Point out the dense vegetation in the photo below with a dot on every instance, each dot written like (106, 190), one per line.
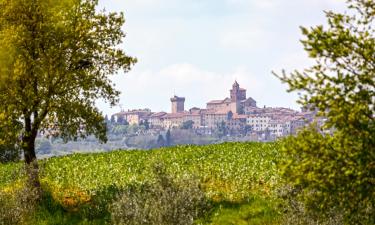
(238, 179)
(56, 58)
(332, 169)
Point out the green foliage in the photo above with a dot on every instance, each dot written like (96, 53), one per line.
(55, 58)
(9, 144)
(187, 125)
(160, 142)
(165, 201)
(81, 186)
(145, 124)
(294, 211)
(119, 129)
(254, 211)
(168, 139)
(336, 172)
(9, 153)
(222, 129)
(17, 205)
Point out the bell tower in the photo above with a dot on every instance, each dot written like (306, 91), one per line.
(234, 92)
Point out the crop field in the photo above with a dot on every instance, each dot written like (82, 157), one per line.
(233, 175)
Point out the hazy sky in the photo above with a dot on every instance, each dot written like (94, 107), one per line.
(197, 48)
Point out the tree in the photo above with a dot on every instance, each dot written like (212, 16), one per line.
(160, 142)
(336, 172)
(187, 125)
(146, 124)
(9, 151)
(168, 140)
(113, 119)
(120, 119)
(55, 58)
(222, 129)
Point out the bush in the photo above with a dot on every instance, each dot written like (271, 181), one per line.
(163, 202)
(294, 210)
(17, 207)
(9, 153)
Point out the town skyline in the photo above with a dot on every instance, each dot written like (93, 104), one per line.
(236, 115)
(195, 48)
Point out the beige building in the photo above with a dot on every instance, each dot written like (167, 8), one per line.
(195, 117)
(258, 122)
(279, 128)
(155, 119)
(236, 103)
(172, 120)
(237, 122)
(225, 105)
(213, 119)
(134, 117)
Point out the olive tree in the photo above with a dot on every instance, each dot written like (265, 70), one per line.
(55, 60)
(335, 171)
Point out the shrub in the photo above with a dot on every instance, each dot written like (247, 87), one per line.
(294, 210)
(17, 207)
(162, 202)
(9, 153)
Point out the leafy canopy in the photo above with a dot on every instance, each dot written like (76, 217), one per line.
(337, 171)
(55, 60)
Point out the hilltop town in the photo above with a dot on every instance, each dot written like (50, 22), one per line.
(236, 115)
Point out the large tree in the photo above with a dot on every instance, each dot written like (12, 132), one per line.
(336, 170)
(55, 60)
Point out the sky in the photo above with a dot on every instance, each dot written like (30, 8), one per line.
(197, 48)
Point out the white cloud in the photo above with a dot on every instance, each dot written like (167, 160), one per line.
(260, 4)
(293, 61)
(220, 41)
(246, 38)
(154, 88)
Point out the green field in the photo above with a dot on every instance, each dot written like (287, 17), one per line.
(238, 178)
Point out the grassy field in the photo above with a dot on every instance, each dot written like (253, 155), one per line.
(238, 178)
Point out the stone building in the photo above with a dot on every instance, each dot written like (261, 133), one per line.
(195, 117)
(155, 119)
(172, 120)
(133, 116)
(236, 103)
(178, 104)
(213, 119)
(225, 105)
(237, 94)
(258, 122)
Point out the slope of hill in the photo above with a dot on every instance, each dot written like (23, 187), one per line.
(238, 178)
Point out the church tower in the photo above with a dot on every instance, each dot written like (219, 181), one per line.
(237, 94)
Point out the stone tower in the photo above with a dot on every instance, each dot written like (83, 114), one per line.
(237, 94)
(178, 104)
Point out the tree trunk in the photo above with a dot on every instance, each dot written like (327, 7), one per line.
(28, 146)
(31, 161)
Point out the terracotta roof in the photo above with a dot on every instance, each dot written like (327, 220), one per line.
(159, 114)
(217, 112)
(173, 115)
(192, 114)
(215, 102)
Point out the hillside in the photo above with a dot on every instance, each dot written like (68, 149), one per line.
(238, 178)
